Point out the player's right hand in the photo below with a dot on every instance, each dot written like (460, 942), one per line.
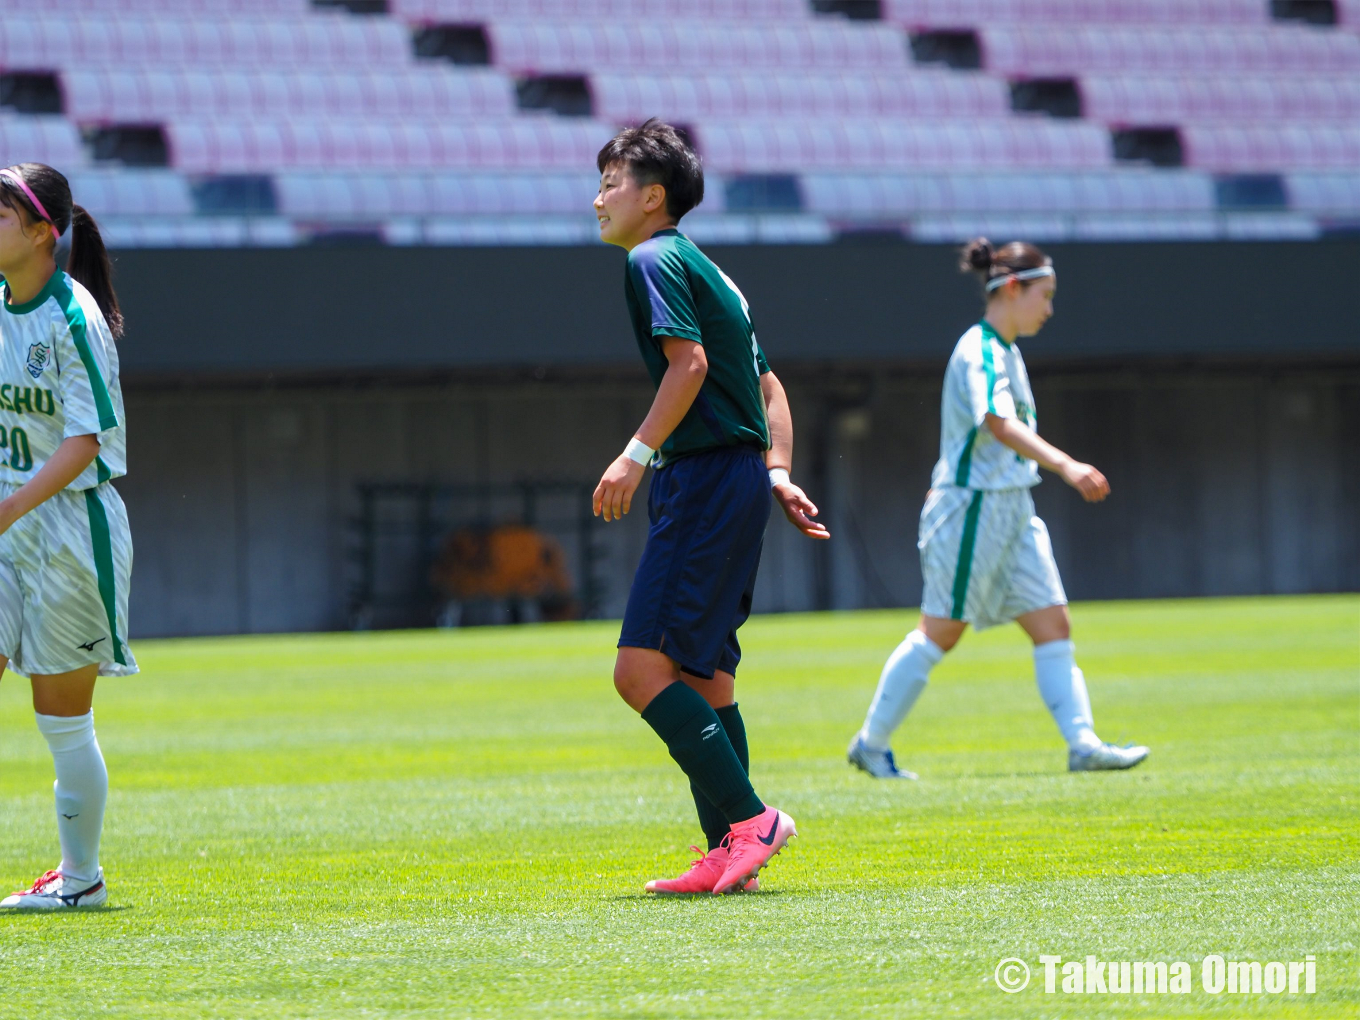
(1086, 480)
(614, 495)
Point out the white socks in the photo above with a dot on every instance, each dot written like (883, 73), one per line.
(82, 787)
(901, 683)
(1063, 689)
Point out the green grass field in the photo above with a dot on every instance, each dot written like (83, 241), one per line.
(459, 824)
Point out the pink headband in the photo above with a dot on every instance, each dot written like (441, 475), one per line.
(10, 175)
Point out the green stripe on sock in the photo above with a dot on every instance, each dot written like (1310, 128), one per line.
(103, 565)
(970, 520)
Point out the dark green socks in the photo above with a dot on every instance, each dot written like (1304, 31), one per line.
(710, 818)
(700, 745)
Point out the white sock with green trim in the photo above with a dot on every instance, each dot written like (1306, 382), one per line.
(82, 789)
(903, 679)
(1063, 688)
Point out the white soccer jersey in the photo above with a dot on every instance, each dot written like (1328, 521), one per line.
(58, 378)
(985, 375)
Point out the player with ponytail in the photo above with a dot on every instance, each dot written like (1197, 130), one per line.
(65, 549)
(985, 556)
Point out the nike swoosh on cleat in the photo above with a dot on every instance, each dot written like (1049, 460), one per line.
(767, 840)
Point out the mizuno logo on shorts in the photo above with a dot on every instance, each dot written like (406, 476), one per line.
(89, 645)
(710, 730)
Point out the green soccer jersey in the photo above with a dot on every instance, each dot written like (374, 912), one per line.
(674, 289)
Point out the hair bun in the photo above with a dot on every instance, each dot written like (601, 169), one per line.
(978, 256)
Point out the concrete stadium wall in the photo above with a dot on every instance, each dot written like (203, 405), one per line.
(1226, 480)
(382, 311)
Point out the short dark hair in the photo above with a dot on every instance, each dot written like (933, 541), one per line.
(655, 153)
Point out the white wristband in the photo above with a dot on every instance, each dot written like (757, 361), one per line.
(638, 452)
(779, 476)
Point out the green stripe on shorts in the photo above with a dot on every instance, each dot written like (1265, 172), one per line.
(103, 565)
(961, 572)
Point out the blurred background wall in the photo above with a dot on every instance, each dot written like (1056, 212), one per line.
(1218, 399)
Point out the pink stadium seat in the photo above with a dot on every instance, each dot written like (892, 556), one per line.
(471, 11)
(1172, 99)
(163, 8)
(1031, 51)
(788, 146)
(131, 96)
(1258, 148)
(259, 146)
(977, 13)
(632, 96)
(44, 139)
(34, 41)
(546, 47)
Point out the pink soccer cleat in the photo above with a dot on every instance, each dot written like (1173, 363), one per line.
(752, 845)
(702, 876)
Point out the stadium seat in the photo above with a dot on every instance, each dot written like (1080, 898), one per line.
(550, 47)
(1026, 50)
(43, 139)
(464, 11)
(318, 99)
(750, 146)
(633, 96)
(977, 13)
(42, 42)
(133, 95)
(132, 192)
(1173, 99)
(870, 194)
(1254, 148)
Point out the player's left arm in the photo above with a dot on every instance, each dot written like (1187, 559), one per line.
(685, 373)
(797, 507)
(73, 456)
(1025, 441)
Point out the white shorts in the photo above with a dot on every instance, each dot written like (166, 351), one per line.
(985, 557)
(64, 571)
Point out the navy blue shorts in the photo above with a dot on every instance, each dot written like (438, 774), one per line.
(693, 588)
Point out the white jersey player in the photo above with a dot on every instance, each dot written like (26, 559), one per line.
(985, 556)
(65, 551)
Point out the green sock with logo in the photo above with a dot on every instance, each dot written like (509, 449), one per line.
(696, 739)
(711, 820)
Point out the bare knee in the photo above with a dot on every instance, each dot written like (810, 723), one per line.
(944, 633)
(1046, 625)
(640, 674)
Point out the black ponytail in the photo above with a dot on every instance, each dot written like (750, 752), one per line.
(978, 256)
(89, 261)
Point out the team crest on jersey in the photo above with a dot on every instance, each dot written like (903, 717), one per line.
(39, 357)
